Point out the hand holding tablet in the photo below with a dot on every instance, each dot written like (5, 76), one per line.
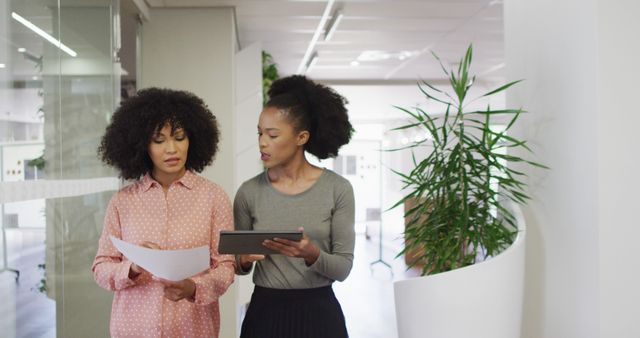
(243, 242)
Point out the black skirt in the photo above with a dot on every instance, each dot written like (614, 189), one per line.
(297, 313)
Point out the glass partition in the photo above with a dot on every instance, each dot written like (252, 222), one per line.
(59, 84)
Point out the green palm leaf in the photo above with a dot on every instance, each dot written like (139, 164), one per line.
(458, 190)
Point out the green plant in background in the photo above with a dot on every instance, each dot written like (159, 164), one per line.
(460, 188)
(42, 284)
(37, 162)
(269, 74)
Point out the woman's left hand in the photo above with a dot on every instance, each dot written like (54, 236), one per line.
(303, 249)
(179, 290)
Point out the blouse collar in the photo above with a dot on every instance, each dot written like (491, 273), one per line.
(188, 180)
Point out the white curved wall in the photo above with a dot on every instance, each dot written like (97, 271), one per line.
(581, 82)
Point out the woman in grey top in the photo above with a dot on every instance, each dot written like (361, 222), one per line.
(293, 295)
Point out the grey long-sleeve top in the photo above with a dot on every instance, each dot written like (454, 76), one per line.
(326, 211)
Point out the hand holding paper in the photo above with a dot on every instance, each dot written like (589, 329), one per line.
(136, 270)
(176, 291)
(173, 265)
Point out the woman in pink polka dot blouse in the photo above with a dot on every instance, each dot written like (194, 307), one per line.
(160, 138)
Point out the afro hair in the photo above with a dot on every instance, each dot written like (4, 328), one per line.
(126, 140)
(316, 108)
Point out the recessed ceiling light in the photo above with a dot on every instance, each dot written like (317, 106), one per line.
(304, 63)
(354, 63)
(34, 78)
(379, 55)
(405, 54)
(333, 25)
(43, 34)
(2, 65)
(312, 62)
(22, 50)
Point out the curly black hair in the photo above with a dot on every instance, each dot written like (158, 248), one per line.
(316, 108)
(126, 140)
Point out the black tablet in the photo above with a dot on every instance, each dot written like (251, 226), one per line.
(244, 242)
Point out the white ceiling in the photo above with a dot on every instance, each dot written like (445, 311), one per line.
(285, 29)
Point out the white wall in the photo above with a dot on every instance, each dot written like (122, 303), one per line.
(194, 50)
(372, 112)
(581, 277)
(248, 100)
(618, 121)
(374, 103)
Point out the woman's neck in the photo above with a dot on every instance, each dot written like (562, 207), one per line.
(298, 168)
(166, 179)
(290, 179)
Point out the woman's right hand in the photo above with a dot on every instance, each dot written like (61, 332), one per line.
(247, 260)
(135, 270)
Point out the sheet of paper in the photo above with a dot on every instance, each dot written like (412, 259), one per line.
(174, 265)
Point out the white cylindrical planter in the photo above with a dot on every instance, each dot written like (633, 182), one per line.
(483, 300)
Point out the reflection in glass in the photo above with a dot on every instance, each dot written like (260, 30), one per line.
(25, 310)
(57, 92)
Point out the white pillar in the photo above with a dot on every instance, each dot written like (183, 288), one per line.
(579, 62)
(248, 107)
(194, 49)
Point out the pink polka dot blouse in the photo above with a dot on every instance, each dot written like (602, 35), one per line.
(191, 214)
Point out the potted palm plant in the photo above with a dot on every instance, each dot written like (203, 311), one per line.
(463, 228)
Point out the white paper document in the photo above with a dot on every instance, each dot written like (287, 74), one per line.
(174, 265)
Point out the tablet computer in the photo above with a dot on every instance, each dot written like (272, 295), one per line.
(244, 242)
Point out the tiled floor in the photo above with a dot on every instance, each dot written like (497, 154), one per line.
(367, 294)
(24, 311)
